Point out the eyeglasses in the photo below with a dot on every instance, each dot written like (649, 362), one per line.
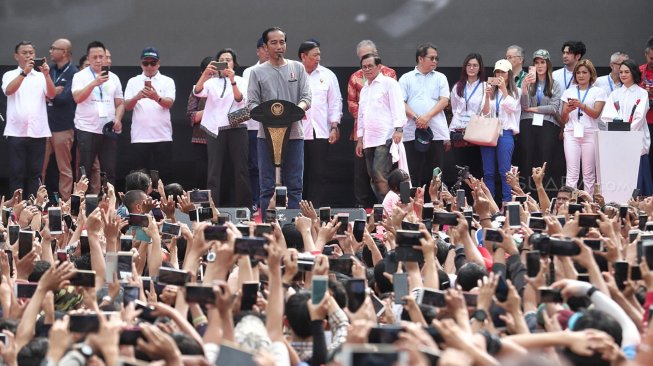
(149, 63)
(368, 67)
(53, 48)
(432, 58)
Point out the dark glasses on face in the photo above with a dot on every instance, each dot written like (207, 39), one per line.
(149, 63)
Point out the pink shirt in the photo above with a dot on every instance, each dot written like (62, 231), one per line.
(380, 110)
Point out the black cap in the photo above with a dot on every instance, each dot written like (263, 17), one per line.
(277, 112)
(423, 139)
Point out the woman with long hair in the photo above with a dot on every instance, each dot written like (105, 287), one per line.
(581, 108)
(501, 101)
(225, 93)
(630, 104)
(466, 100)
(539, 130)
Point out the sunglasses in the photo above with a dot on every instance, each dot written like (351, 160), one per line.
(149, 63)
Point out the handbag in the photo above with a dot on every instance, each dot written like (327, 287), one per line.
(457, 136)
(483, 131)
(238, 116)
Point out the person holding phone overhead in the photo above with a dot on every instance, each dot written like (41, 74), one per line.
(629, 104)
(151, 95)
(501, 101)
(540, 102)
(581, 108)
(466, 100)
(224, 92)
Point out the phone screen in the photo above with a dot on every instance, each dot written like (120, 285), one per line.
(501, 291)
(75, 203)
(355, 294)
(493, 236)
(621, 274)
(445, 218)
(198, 196)
(400, 286)
(433, 298)
(25, 243)
(54, 220)
(533, 263)
(460, 199)
(91, 203)
(378, 213)
(319, 288)
(404, 192)
(343, 219)
(325, 214)
(281, 197)
(138, 220)
(171, 229)
(249, 296)
(550, 295)
(359, 230)
(513, 213)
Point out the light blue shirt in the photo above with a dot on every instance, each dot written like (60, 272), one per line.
(422, 92)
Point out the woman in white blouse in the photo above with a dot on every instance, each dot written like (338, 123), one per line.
(225, 93)
(466, 100)
(581, 107)
(630, 104)
(501, 101)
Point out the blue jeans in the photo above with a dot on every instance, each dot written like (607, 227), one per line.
(292, 172)
(503, 153)
(253, 166)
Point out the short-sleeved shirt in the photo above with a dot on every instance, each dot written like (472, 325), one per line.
(422, 92)
(99, 108)
(150, 121)
(27, 115)
(594, 94)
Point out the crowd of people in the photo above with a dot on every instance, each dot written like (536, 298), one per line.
(432, 275)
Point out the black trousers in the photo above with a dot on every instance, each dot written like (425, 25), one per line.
(153, 156)
(541, 144)
(421, 164)
(92, 145)
(25, 163)
(315, 158)
(230, 147)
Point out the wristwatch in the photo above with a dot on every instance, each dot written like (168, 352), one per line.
(480, 315)
(399, 129)
(22, 73)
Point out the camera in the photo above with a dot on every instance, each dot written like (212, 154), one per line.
(553, 246)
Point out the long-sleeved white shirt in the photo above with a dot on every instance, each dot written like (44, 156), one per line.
(220, 101)
(326, 103)
(469, 104)
(380, 110)
(626, 102)
(509, 110)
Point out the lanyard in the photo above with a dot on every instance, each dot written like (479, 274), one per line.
(57, 78)
(582, 100)
(497, 101)
(539, 94)
(564, 69)
(478, 82)
(99, 86)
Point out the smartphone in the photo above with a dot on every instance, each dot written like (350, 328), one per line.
(635, 194)
(400, 287)
(404, 192)
(407, 225)
(588, 220)
(5, 216)
(38, 63)
(493, 80)
(157, 213)
(91, 202)
(405, 252)
(139, 220)
(281, 197)
(148, 84)
(104, 182)
(319, 288)
(623, 211)
(82, 171)
(105, 70)
(533, 263)
(270, 215)
(537, 224)
(635, 273)
(531, 70)
(552, 206)
(261, 229)
(10, 257)
(343, 219)
(170, 276)
(199, 196)
(126, 243)
(215, 232)
(25, 243)
(384, 335)
(75, 203)
(83, 278)
(249, 295)
(325, 214)
(378, 213)
(471, 300)
(13, 233)
(130, 294)
(647, 250)
(492, 236)
(84, 323)
(514, 215)
(431, 297)
(252, 246)
(359, 230)
(621, 274)
(521, 199)
(550, 295)
(427, 211)
(220, 65)
(130, 335)
(341, 265)
(445, 218)
(437, 172)
(171, 229)
(632, 235)
(305, 263)
(200, 294)
(460, 199)
(562, 247)
(146, 310)
(54, 220)
(68, 219)
(501, 291)
(25, 290)
(643, 218)
(355, 293)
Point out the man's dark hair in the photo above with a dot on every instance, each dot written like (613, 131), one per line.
(423, 49)
(22, 43)
(137, 180)
(173, 189)
(33, 353)
(306, 47)
(469, 274)
(81, 61)
(634, 70)
(8, 324)
(395, 178)
(377, 59)
(273, 29)
(187, 345)
(566, 189)
(338, 292)
(442, 250)
(95, 44)
(366, 253)
(297, 314)
(382, 283)
(599, 320)
(649, 45)
(83, 262)
(230, 51)
(40, 267)
(575, 47)
(205, 62)
(133, 197)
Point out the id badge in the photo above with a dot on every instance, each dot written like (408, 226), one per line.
(538, 119)
(101, 110)
(579, 130)
(465, 117)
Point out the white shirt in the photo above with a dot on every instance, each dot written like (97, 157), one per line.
(252, 125)
(564, 77)
(607, 84)
(27, 115)
(509, 110)
(219, 96)
(622, 103)
(150, 121)
(99, 108)
(326, 103)
(422, 92)
(380, 110)
(461, 110)
(594, 95)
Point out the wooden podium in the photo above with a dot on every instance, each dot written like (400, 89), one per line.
(617, 163)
